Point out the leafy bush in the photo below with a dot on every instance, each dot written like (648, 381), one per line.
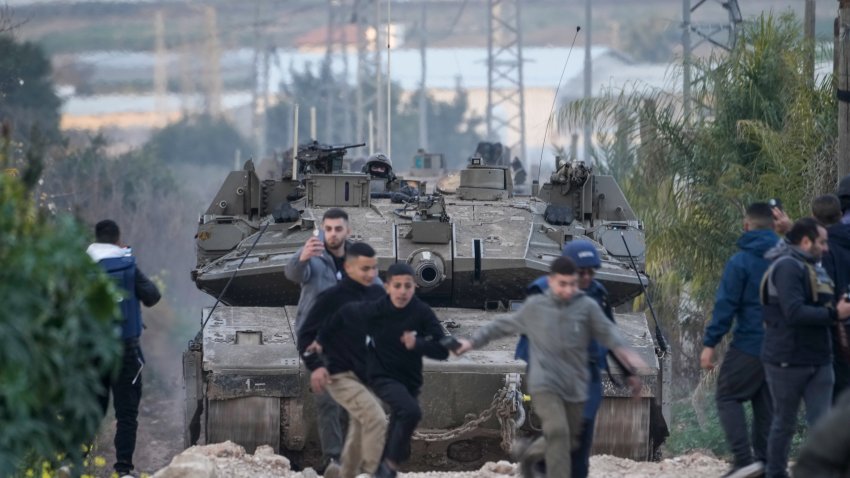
(691, 431)
(201, 140)
(58, 333)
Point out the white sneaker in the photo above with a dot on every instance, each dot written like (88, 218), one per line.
(752, 470)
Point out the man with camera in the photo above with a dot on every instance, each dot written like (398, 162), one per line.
(799, 310)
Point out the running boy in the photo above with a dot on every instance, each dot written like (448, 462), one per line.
(559, 324)
(401, 330)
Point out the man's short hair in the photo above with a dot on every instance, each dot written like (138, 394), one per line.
(335, 213)
(760, 215)
(827, 209)
(563, 266)
(399, 269)
(805, 227)
(107, 232)
(359, 249)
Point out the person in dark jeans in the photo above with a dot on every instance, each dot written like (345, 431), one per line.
(799, 311)
(741, 378)
(836, 261)
(587, 259)
(126, 387)
(401, 329)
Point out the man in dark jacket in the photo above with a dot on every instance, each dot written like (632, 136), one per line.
(401, 330)
(126, 388)
(340, 367)
(797, 353)
(837, 264)
(741, 377)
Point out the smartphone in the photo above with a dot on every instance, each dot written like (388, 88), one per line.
(775, 202)
(319, 234)
(450, 342)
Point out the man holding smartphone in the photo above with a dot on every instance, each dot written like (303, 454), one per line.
(317, 266)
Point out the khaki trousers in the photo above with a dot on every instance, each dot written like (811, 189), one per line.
(367, 424)
(562, 422)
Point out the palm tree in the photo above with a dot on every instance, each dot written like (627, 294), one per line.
(761, 130)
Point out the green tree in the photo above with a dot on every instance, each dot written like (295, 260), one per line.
(27, 98)
(200, 140)
(760, 130)
(58, 330)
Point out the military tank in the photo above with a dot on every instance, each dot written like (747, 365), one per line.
(474, 247)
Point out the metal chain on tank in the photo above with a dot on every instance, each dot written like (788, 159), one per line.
(507, 403)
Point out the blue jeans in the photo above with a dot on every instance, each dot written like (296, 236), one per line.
(788, 386)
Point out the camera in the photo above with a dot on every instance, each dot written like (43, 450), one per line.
(775, 203)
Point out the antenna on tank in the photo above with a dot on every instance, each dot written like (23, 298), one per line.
(555, 100)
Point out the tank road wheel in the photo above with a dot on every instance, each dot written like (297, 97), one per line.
(293, 431)
(248, 421)
(194, 404)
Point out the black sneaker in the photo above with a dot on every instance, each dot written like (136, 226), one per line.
(384, 471)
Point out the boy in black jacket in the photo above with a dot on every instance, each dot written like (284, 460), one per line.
(333, 344)
(401, 330)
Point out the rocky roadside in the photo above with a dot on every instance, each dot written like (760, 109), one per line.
(227, 459)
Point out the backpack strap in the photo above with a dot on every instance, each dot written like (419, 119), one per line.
(767, 288)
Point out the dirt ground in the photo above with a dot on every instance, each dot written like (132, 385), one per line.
(227, 459)
(160, 439)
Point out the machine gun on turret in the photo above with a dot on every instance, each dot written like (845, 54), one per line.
(571, 173)
(316, 158)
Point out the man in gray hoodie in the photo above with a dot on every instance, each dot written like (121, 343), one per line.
(317, 266)
(559, 324)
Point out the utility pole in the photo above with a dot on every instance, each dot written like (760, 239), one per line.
(423, 92)
(809, 35)
(379, 82)
(160, 69)
(844, 89)
(259, 92)
(686, 59)
(186, 64)
(212, 64)
(588, 76)
(368, 91)
(327, 71)
(505, 88)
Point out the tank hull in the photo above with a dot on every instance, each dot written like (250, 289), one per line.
(256, 391)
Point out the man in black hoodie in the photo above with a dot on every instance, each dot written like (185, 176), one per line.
(401, 330)
(837, 264)
(339, 365)
(798, 313)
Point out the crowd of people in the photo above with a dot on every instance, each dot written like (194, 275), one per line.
(363, 342)
(785, 301)
(788, 302)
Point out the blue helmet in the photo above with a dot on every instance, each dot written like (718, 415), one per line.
(583, 253)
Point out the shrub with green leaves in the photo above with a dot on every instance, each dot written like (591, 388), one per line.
(58, 334)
